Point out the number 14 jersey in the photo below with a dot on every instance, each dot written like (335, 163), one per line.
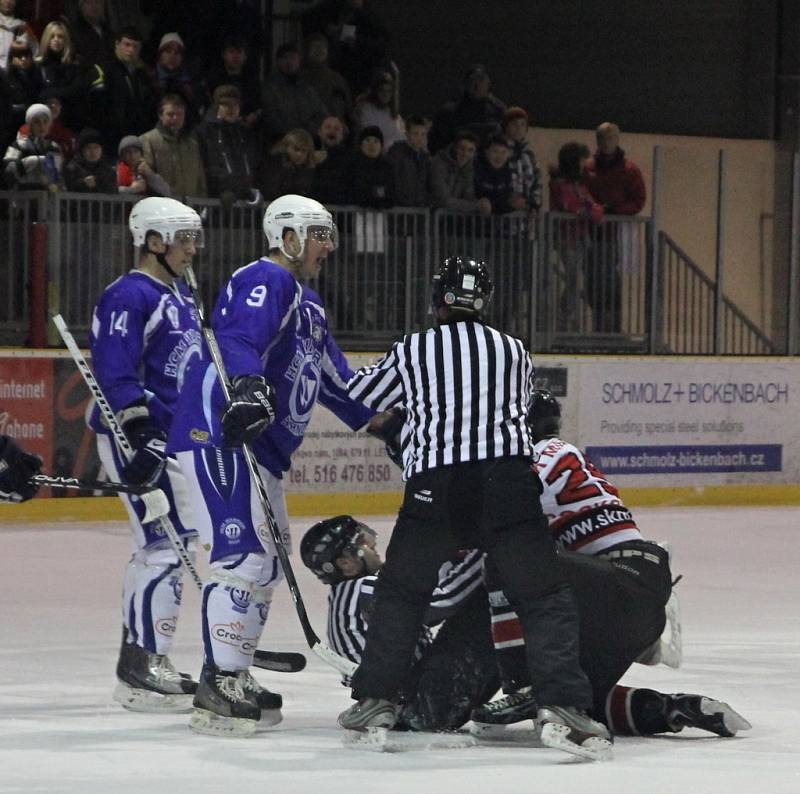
(583, 508)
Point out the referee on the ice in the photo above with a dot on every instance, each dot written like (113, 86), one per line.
(466, 452)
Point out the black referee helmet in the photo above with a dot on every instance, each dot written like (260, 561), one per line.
(544, 415)
(328, 540)
(462, 285)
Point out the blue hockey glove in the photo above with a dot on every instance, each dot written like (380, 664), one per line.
(149, 443)
(251, 411)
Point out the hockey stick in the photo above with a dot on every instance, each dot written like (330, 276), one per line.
(57, 481)
(123, 445)
(268, 660)
(325, 652)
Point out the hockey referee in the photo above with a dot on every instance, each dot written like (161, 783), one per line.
(467, 453)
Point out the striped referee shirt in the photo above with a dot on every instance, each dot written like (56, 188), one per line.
(465, 388)
(349, 603)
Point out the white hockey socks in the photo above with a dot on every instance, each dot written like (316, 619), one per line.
(151, 598)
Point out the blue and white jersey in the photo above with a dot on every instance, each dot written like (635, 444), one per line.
(267, 323)
(350, 601)
(144, 334)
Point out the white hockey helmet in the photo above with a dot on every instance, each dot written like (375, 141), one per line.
(168, 217)
(302, 215)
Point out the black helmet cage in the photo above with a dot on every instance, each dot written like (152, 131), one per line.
(462, 285)
(328, 540)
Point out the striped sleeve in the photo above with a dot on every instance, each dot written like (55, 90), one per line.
(457, 581)
(379, 386)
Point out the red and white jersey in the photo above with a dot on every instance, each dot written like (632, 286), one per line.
(582, 507)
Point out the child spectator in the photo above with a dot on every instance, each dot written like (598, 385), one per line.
(332, 174)
(568, 189)
(372, 177)
(379, 108)
(493, 177)
(526, 176)
(134, 175)
(233, 69)
(89, 171)
(453, 176)
(60, 75)
(59, 132)
(411, 165)
(33, 161)
(228, 149)
(290, 166)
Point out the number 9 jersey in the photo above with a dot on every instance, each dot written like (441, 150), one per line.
(582, 507)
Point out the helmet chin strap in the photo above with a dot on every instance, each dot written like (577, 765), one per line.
(162, 260)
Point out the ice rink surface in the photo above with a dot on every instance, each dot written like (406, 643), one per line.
(60, 731)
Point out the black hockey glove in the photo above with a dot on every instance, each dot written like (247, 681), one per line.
(149, 442)
(389, 432)
(16, 468)
(251, 410)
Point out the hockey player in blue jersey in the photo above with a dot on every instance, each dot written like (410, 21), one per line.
(273, 332)
(145, 330)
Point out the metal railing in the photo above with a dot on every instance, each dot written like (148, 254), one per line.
(18, 211)
(562, 284)
(686, 317)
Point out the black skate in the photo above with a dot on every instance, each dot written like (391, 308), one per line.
(573, 731)
(269, 702)
(221, 705)
(696, 711)
(149, 682)
(490, 719)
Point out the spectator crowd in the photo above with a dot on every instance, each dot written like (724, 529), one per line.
(183, 112)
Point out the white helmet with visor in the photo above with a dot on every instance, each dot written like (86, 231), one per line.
(306, 217)
(175, 222)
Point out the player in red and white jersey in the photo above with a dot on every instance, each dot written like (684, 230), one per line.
(622, 583)
(582, 507)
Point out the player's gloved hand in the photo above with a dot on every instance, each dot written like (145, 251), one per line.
(149, 442)
(16, 469)
(387, 426)
(251, 410)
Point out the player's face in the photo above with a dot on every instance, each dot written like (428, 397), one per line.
(183, 249)
(320, 241)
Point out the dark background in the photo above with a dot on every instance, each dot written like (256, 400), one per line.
(688, 67)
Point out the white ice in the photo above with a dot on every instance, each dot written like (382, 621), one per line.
(60, 731)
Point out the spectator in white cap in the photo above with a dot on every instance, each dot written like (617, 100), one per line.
(171, 75)
(33, 161)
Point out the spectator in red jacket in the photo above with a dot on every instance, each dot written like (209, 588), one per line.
(572, 238)
(615, 182)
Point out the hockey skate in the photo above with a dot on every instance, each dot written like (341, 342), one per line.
(269, 702)
(149, 682)
(370, 720)
(573, 731)
(222, 707)
(490, 720)
(696, 711)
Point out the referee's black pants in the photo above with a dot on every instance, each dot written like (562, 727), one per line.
(493, 505)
